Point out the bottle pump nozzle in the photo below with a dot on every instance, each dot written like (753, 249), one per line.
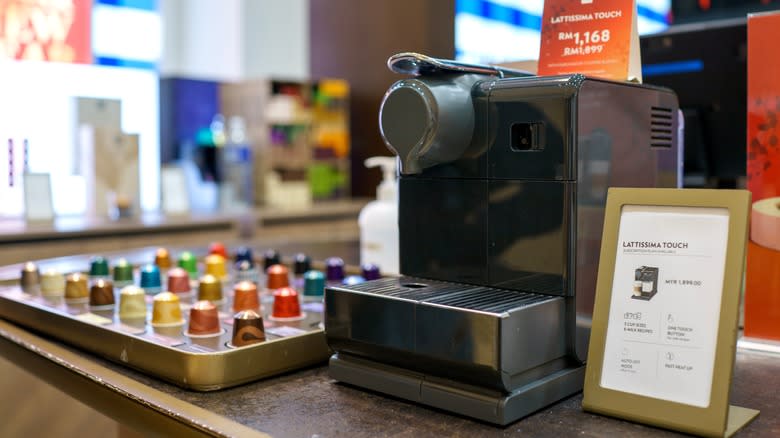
(387, 189)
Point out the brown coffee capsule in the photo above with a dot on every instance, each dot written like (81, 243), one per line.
(247, 328)
(30, 279)
(204, 319)
(162, 258)
(101, 293)
(278, 277)
(76, 286)
(179, 281)
(245, 296)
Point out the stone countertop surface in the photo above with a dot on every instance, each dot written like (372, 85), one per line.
(308, 403)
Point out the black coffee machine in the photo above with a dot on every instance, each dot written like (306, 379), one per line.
(503, 182)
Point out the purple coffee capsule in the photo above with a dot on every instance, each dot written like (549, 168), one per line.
(370, 271)
(334, 269)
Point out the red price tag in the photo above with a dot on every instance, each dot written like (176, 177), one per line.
(593, 37)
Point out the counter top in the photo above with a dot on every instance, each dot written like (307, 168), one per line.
(76, 227)
(309, 403)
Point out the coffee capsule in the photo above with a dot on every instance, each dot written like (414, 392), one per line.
(215, 265)
(204, 319)
(150, 279)
(132, 303)
(286, 304)
(52, 284)
(166, 310)
(101, 294)
(162, 258)
(123, 273)
(30, 278)
(76, 287)
(247, 328)
(245, 297)
(277, 276)
(179, 281)
(210, 288)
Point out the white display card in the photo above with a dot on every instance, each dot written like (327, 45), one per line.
(666, 302)
(37, 197)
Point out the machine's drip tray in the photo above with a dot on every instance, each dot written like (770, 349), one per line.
(460, 296)
(493, 354)
(487, 337)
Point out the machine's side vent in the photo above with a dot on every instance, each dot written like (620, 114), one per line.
(661, 127)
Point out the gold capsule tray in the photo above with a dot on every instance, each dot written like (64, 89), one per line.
(197, 363)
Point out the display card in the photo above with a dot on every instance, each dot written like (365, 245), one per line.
(665, 305)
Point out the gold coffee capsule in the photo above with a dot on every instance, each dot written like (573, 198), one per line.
(210, 288)
(76, 287)
(215, 265)
(166, 310)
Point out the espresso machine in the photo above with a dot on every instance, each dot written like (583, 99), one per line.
(502, 188)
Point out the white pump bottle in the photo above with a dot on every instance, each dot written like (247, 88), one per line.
(378, 220)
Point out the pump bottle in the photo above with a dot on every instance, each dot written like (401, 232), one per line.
(378, 220)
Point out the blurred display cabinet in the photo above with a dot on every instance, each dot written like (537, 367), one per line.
(299, 133)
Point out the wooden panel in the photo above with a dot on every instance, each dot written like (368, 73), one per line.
(352, 39)
(39, 409)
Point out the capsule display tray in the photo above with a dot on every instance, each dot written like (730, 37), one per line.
(197, 363)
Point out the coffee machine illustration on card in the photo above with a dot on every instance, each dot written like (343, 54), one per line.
(645, 283)
(502, 186)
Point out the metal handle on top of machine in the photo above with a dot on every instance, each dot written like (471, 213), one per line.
(416, 64)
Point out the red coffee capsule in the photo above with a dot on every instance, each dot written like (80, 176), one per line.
(218, 248)
(286, 303)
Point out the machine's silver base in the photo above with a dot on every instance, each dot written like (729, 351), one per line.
(487, 405)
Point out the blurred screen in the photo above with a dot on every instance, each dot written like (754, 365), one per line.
(496, 31)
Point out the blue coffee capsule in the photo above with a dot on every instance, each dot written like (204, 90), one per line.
(151, 282)
(313, 283)
(244, 253)
(353, 280)
(370, 271)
